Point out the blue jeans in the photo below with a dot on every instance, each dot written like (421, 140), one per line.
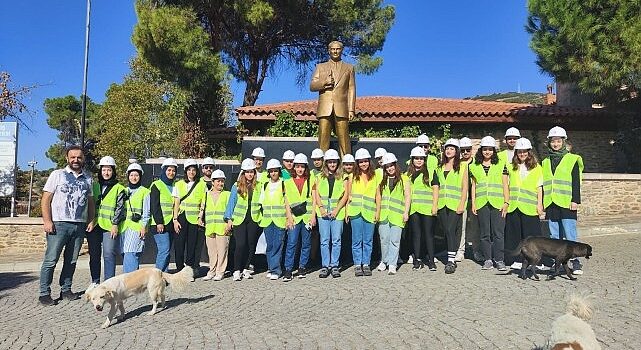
(565, 226)
(68, 236)
(390, 242)
(274, 237)
(362, 237)
(292, 245)
(110, 248)
(130, 262)
(163, 246)
(330, 231)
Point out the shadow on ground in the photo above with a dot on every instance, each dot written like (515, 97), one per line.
(10, 280)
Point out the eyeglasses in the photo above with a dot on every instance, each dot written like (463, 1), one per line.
(288, 160)
(466, 150)
(208, 167)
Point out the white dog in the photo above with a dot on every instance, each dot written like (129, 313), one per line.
(116, 289)
(570, 331)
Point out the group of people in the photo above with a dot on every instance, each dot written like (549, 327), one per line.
(509, 192)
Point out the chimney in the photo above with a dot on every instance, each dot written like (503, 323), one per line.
(569, 95)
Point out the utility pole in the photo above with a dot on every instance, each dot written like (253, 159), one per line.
(32, 164)
(84, 80)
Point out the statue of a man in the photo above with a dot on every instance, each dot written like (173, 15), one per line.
(335, 82)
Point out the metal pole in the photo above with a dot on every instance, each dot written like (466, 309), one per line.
(84, 81)
(32, 164)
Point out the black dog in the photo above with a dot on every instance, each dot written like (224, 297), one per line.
(532, 249)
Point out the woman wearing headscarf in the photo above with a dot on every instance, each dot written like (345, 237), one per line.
(134, 228)
(162, 205)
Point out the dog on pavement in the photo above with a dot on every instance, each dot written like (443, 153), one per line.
(116, 289)
(571, 331)
(532, 249)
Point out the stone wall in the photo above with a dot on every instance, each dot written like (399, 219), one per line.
(21, 235)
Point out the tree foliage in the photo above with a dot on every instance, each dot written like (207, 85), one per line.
(12, 99)
(171, 40)
(64, 115)
(143, 116)
(256, 36)
(594, 43)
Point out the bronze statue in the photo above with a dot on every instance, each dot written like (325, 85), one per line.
(334, 80)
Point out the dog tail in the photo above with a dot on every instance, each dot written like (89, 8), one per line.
(516, 251)
(579, 307)
(178, 281)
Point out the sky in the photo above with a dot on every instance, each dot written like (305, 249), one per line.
(452, 49)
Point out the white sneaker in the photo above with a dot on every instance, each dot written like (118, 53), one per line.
(577, 269)
(542, 267)
(208, 277)
(392, 270)
(273, 277)
(410, 259)
(218, 278)
(247, 274)
(459, 256)
(516, 265)
(236, 276)
(268, 275)
(381, 266)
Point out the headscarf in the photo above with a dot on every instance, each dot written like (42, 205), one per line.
(164, 178)
(556, 156)
(134, 186)
(111, 181)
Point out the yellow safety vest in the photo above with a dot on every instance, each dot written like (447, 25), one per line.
(166, 203)
(273, 207)
(363, 198)
(134, 205)
(489, 188)
(523, 192)
(107, 208)
(215, 213)
(557, 187)
(393, 203)
(191, 205)
(294, 198)
(240, 210)
(450, 190)
(422, 196)
(322, 186)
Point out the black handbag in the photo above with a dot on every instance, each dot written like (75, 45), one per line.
(301, 208)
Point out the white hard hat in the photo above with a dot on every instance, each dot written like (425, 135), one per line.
(107, 160)
(317, 153)
(248, 164)
(169, 162)
(417, 152)
(189, 162)
(208, 161)
(300, 159)
(135, 166)
(362, 153)
(389, 158)
(512, 132)
(523, 143)
(451, 142)
(422, 139)
(258, 152)
(348, 158)
(331, 154)
(273, 164)
(465, 142)
(218, 174)
(488, 141)
(557, 131)
(289, 154)
(379, 152)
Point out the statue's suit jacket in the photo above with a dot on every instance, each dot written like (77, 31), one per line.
(341, 99)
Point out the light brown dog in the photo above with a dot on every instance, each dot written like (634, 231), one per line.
(116, 289)
(571, 331)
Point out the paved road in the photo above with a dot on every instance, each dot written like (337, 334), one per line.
(471, 309)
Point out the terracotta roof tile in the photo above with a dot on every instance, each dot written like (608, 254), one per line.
(425, 109)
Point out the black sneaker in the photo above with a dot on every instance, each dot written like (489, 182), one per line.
(417, 264)
(336, 273)
(358, 270)
(431, 265)
(366, 270)
(302, 272)
(450, 267)
(287, 276)
(46, 300)
(69, 296)
(324, 272)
